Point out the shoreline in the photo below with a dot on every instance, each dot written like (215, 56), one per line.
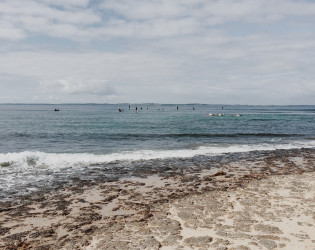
(159, 210)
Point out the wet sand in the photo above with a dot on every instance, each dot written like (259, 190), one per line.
(262, 202)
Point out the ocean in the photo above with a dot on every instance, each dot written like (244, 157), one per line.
(44, 149)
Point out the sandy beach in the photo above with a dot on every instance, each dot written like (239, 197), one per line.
(266, 201)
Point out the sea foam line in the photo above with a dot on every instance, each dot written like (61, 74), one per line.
(60, 160)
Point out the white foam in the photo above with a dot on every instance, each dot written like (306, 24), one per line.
(24, 171)
(60, 161)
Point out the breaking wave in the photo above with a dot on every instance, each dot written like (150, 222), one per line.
(62, 160)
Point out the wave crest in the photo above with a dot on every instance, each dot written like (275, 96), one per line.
(58, 161)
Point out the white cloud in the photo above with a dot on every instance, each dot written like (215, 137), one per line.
(161, 50)
(31, 8)
(33, 17)
(77, 86)
(254, 69)
(84, 20)
(214, 11)
(8, 31)
(67, 3)
(146, 10)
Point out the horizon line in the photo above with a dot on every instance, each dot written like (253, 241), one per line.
(155, 103)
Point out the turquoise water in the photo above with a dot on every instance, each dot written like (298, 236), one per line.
(39, 145)
(100, 129)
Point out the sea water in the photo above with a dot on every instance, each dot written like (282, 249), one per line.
(40, 147)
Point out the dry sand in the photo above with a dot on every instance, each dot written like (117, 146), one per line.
(268, 203)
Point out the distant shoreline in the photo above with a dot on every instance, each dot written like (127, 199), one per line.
(171, 104)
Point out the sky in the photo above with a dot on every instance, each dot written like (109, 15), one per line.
(259, 52)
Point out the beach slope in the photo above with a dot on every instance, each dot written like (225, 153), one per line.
(261, 202)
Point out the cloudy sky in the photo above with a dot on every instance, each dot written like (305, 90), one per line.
(164, 51)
